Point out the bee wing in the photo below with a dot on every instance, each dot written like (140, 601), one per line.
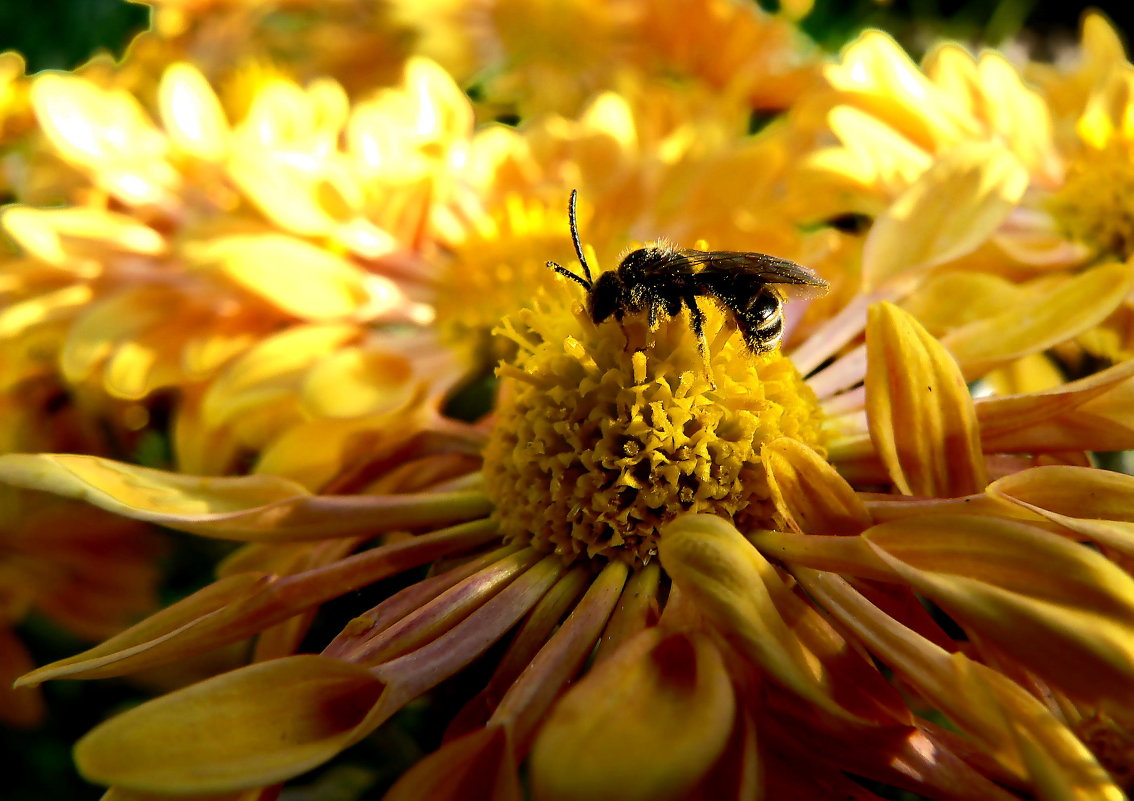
(792, 280)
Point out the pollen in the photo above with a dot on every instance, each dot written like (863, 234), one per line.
(599, 442)
(1096, 203)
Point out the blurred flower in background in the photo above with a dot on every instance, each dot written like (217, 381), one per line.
(278, 276)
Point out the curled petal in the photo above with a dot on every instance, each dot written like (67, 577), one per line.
(921, 415)
(480, 766)
(648, 723)
(809, 492)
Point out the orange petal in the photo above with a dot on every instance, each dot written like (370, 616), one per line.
(251, 508)
(920, 412)
(1063, 610)
(237, 730)
(20, 707)
(648, 723)
(1065, 311)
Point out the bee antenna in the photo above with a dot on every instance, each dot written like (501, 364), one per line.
(575, 237)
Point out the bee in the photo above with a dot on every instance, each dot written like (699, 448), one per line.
(661, 279)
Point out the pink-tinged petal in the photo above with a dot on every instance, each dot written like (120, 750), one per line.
(922, 421)
(1097, 504)
(248, 508)
(477, 767)
(1093, 413)
(950, 210)
(1065, 311)
(637, 609)
(1063, 610)
(537, 629)
(437, 616)
(959, 688)
(809, 493)
(648, 723)
(240, 605)
(833, 334)
(247, 728)
(525, 705)
(745, 598)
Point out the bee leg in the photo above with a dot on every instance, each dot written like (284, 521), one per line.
(697, 325)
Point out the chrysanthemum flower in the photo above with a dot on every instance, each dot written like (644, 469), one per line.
(681, 578)
(195, 242)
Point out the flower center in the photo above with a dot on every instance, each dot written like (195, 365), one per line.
(596, 444)
(1096, 203)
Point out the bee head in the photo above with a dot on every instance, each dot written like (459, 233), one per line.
(605, 297)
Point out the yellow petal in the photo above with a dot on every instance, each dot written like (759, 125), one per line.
(235, 731)
(647, 723)
(1097, 504)
(745, 598)
(1063, 610)
(1092, 413)
(881, 77)
(293, 275)
(192, 113)
(1062, 313)
(269, 370)
(246, 507)
(353, 382)
(921, 416)
(986, 705)
(62, 236)
(874, 154)
(953, 208)
(809, 493)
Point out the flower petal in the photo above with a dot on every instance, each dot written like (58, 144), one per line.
(1063, 610)
(647, 723)
(237, 730)
(953, 207)
(1092, 413)
(242, 604)
(921, 415)
(1098, 504)
(480, 766)
(809, 492)
(744, 597)
(1067, 310)
(252, 508)
(961, 688)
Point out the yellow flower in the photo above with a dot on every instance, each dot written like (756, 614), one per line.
(738, 547)
(195, 241)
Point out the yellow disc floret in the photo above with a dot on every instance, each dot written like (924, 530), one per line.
(598, 443)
